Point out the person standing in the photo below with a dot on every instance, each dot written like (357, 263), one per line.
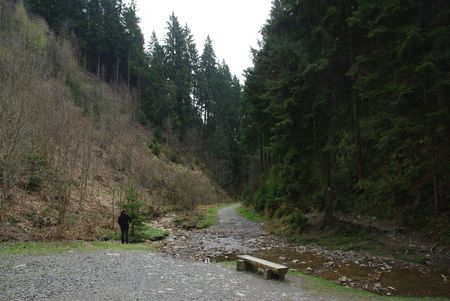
(124, 222)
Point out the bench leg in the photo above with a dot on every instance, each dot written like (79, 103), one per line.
(267, 274)
(241, 265)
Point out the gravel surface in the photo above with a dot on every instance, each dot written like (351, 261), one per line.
(134, 275)
(232, 235)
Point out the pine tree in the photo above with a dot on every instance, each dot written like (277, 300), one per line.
(178, 72)
(207, 89)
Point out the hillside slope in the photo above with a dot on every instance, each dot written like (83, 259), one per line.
(70, 145)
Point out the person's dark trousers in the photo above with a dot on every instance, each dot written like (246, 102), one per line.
(124, 236)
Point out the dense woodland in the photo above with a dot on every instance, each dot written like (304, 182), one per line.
(350, 101)
(345, 109)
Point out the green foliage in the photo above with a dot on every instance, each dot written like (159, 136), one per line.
(34, 30)
(273, 190)
(199, 218)
(108, 235)
(250, 214)
(155, 146)
(297, 219)
(31, 216)
(86, 97)
(12, 219)
(419, 259)
(108, 34)
(345, 109)
(139, 230)
(175, 157)
(134, 207)
(149, 233)
(76, 91)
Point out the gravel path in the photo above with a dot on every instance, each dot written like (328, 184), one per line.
(232, 235)
(134, 275)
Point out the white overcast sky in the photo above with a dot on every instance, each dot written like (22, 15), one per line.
(233, 25)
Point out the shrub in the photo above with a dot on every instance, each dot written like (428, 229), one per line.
(31, 216)
(134, 207)
(107, 235)
(12, 220)
(37, 168)
(175, 157)
(155, 146)
(74, 87)
(297, 219)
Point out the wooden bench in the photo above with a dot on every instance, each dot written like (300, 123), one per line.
(270, 270)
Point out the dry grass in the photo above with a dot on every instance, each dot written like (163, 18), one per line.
(69, 144)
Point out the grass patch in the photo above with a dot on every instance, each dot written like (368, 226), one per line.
(319, 284)
(42, 248)
(250, 214)
(145, 233)
(420, 259)
(202, 217)
(229, 263)
(152, 233)
(209, 216)
(358, 241)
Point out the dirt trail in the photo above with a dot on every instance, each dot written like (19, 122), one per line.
(232, 234)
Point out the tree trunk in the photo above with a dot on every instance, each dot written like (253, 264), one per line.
(117, 71)
(98, 64)
(435, 181)
(128, 75)
(113, 205)
(3, 196)
(261, 150)
(355, 111)
(85, 59)
(329, 203)
(205, 126)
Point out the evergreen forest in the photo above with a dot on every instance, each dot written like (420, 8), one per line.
(345, 109)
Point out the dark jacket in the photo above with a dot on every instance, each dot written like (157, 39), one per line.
(124, 220)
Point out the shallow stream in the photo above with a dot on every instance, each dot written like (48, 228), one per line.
(384, 276)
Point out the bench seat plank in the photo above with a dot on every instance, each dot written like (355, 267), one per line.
(271, 269)
(264, 263)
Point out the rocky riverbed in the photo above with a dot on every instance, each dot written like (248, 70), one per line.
(232, 235)
(236, 235)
